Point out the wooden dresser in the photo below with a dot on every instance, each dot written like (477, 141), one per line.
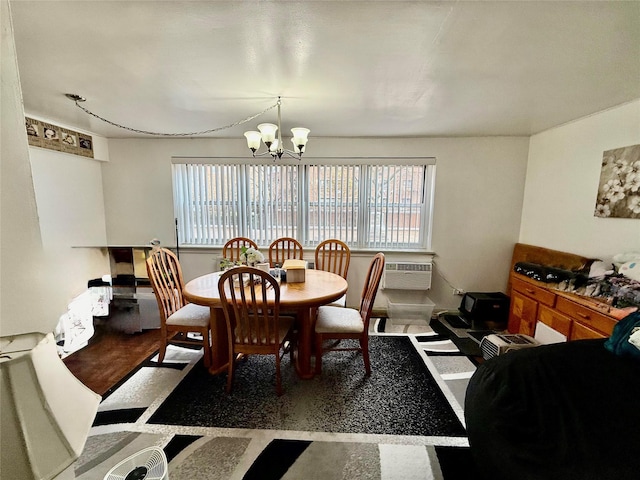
(574, 316)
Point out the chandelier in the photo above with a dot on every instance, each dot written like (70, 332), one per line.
(267, 134)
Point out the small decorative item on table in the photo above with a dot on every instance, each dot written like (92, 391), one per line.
(251, 256)
(263, 266)
(226, 264)
(295, 270)
(276, 273)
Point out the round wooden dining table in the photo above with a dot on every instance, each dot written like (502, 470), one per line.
(319, 288)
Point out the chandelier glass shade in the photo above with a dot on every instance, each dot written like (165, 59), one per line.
(271, 135)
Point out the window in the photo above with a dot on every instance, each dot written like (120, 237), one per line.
(364, 204)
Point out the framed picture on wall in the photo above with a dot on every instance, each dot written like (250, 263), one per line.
(69, 141)
(34, 132)
(619, 188)
(85, 145)
(53, 137)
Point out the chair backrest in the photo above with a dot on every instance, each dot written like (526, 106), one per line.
(370, 290)
(252, 323)
(333, 256)
(165, 274)
(283, 249)
(232, 249)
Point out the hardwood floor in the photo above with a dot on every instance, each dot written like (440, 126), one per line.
(110, 356)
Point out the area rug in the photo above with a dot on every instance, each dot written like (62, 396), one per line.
(400, 397)
(403, 422)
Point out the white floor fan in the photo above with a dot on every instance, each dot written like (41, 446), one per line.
(148, 464)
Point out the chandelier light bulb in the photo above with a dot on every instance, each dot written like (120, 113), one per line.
(300, 135)
(296, 147)
(268, 131)
(253, 140)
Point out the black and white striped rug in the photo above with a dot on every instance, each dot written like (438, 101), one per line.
(403, 422)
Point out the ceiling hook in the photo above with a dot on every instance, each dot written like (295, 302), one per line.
(75, 97)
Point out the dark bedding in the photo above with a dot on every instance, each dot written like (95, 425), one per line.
(562, 411)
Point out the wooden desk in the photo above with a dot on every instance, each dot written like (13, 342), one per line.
(319, 288)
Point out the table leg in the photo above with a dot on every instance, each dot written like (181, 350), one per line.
(305, 340)
(219, 342)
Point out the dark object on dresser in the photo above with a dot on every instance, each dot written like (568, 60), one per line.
(544, 273)
(532, 254)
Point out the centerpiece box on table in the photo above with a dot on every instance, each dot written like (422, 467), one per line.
(295, 270)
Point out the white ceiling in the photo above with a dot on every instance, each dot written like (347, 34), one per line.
(343, 68)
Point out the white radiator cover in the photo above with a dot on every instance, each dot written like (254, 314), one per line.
(407, 276)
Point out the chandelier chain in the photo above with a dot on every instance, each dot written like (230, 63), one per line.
(188, 134)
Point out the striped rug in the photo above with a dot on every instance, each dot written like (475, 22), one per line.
(136, 416)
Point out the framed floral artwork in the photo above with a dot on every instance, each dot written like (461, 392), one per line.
(619, 189)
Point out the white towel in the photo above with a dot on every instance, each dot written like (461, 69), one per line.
(634, 338)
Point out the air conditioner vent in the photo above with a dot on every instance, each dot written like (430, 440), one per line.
(407, 276)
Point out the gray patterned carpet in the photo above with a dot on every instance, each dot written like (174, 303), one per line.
(403, 422)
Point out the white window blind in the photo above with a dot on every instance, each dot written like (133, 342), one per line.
(332, 203)
(365, 205)
(396, 203)
(209, 203)
(272, 198)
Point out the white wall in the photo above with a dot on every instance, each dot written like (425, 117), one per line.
(40, 272)
(478, 200)
(562, 185)
(70, 204)
(69, 197)
(28, 302)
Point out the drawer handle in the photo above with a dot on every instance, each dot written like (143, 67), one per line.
(583, 315)
(528, 290)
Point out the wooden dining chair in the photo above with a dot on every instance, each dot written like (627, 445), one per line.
(334, 256)
(177, 316)
(284, 248)
(233, 248)
(254, 326)
(348, 323)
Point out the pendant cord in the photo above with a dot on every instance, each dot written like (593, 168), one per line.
(189, 134)
(280, 146)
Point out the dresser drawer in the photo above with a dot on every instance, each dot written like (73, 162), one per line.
(523, 314)
(586, 316)
(554, 319)
(542, 295)
(582, 332)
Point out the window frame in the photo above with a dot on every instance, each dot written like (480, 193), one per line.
(363, 224)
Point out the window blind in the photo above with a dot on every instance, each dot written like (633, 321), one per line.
(378, 206)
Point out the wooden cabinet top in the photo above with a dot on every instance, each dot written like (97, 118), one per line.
(525, 285)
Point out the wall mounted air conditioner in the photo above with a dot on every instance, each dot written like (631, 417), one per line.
(407, 276)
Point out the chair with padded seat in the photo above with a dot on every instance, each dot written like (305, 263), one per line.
(338, 323)
(283, 249)
(178, 317)
(250, 301)
(232, 250)
(334, 256)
